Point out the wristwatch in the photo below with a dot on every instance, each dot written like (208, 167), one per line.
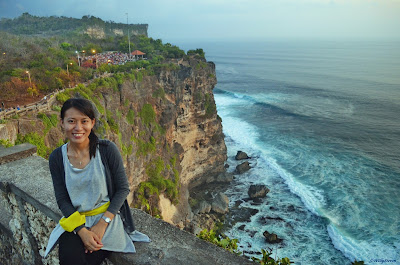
(107, 219)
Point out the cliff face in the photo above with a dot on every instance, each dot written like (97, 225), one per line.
(184, 107)
(101, 31)
(166, 127)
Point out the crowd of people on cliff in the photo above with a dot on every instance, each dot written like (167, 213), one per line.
(117, 58)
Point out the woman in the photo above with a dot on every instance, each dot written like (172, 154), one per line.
(91, 187)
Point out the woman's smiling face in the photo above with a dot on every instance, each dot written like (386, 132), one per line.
(77, 126)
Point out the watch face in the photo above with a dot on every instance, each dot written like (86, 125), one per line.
(107, 219)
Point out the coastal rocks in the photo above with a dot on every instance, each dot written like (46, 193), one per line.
(202, 221)
(243, 167)
(257, 191)
(9, 131)
(268, 219)
(224, 178)
(243, 214)
(290, 208)
(204, 207)
(220, 204)
(272, 238)
(241, 155)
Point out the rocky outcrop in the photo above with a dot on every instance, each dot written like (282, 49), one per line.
(220, 204)
(272, 238)
(240, 155)
(96, 32)
(257, 191)
(9, 131)
(204, 207)
(243, 167)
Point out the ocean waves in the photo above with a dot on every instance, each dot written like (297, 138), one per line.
(306, 174)
(322, 130)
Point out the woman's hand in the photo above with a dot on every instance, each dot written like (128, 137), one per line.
(99, 229)
(90, 240)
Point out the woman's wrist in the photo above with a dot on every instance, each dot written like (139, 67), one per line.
(82, 231)
(106, 219)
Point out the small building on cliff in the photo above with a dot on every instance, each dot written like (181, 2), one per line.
(138, 55)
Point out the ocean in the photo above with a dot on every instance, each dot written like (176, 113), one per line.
(321, 123)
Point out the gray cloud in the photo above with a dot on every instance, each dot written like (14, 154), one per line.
(234, 19)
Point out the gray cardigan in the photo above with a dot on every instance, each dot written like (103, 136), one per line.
(117, 183)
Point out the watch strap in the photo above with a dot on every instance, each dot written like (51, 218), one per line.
(106, 219)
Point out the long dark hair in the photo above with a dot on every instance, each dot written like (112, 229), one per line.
(86, 107)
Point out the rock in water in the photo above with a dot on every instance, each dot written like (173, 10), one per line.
(220, 203)
(257, 191)
(272, 238)
(241, 155)
(245, 166)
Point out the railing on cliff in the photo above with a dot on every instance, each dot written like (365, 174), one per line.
(39, 106)
(43, 105)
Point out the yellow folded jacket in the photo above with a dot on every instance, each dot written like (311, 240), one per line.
(77, 219)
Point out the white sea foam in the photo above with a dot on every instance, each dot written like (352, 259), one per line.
(362, 250)
(312, 198)
(246, 134)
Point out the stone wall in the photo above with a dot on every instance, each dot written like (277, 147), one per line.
(29, 213)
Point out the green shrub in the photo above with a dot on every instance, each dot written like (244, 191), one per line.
(35, 139)
(113, 125)
(144, 147)
(193, 202)
(56, 108)
(147, 114)
(130, 117)
(118, 113)
(139, 76)
(199, 52)
(6, 143)
(267, 260)
(86, 92)
(221, 241)
(201, 65)
(198, 96)
(63, 96)
(209, 106)
(49, 121)
(159, 93)
(98, 105)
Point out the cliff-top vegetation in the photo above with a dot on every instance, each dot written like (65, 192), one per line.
(34, 62)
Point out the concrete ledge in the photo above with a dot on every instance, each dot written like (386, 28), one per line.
(16, 152)
(171, 245)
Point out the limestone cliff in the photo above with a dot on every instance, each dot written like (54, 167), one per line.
(28, 24)
(166, 126)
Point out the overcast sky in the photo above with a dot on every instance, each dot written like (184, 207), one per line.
(232, 19)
